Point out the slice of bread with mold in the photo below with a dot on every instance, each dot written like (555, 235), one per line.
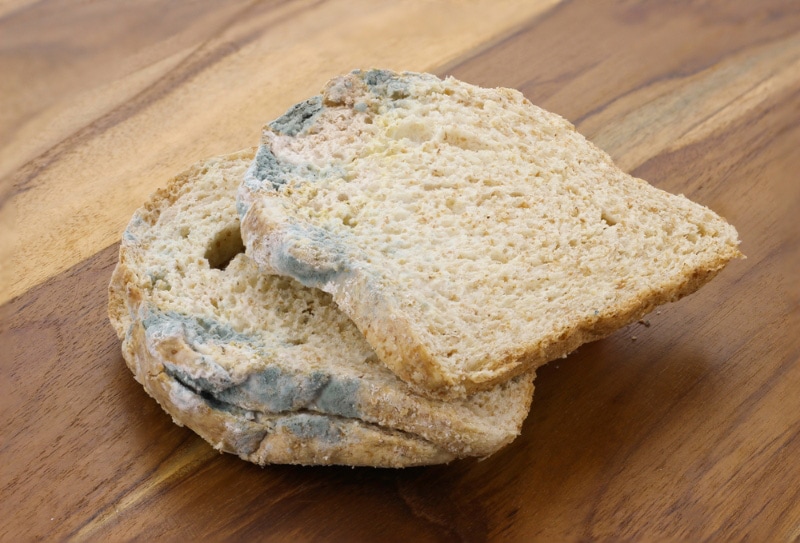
(263, 367)
(470, 235)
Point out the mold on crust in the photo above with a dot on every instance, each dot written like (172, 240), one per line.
(298, 118)
(299, 437)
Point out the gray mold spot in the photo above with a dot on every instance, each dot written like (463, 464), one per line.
(272, 390)
(307, 426)
(266, 167)
(321, 261)
(387, 83)
(299, 117)
(376, 78)
(135, 224)
(196, 330)
(307, 274)
(275, 391)
(241, 208)
(339, 397)
(127, 235)
(215, 384)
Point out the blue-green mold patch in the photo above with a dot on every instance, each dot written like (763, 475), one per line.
(299, 117)
(339, 397)
(308, 426)
(386, 83)
(266, 168)
(270, 390)
(327, 261)
(195, 329)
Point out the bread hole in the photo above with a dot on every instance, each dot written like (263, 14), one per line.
(297, 341)
(415, 131)
(608, 219)
(454, 205)
(184, 231)
(224, 248)
(462, 139)
(348, 220)
(499, 255)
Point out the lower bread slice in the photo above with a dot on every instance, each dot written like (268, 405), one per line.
(263, 367)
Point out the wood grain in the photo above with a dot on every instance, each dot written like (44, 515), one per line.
(150, 101)
(687, 427)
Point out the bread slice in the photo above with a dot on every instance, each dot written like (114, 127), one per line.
(469, 234)
(263, 367)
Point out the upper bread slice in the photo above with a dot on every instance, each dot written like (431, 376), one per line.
(469, 234)
(263, 367)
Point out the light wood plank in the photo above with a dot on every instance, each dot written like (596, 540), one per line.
(681, 111)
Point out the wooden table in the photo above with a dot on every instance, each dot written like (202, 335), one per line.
(687, 427)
